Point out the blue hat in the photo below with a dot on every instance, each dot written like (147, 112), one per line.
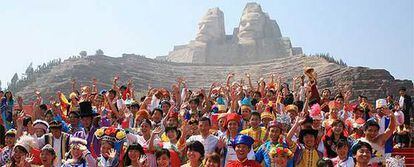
(247, 102)
(243, 139)
(220, 101)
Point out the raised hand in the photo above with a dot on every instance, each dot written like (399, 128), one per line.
(221, 143)
(112, 153)
(157, 130)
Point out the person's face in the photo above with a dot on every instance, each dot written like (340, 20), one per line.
(222, 122)
(254, 121)
(156, 117)
(280, 160)
(145, 128)
(73, 119)
(204, 127)
(210, 163)
(172, 122)
(358, 114)
(317, 123)
(326, 94)
(56, 132)
(8, 95)
(9, 141)
(363, 155)
(49, 118)
(76, 152)
(163, 161)
(338, 129)
(233, 126)
(111, 96)
(172, 135)
(340, 101)
(18, 154)
(46, 157)
(274, 134)
(266, 121)
(245, 113)
(193, 155)
(194, 128)
(342, 151)
(401, 92)
(193, 105)
(39, 132)
(309, 140)
(134, 154)
(86, 121)
(371, 132)
(105, 147)
(242, 150)
(165, 108)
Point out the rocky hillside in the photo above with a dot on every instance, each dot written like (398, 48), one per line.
(373, 83)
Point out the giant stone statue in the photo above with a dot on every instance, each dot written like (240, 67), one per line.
(257, 38)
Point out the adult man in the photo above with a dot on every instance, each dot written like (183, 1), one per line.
(208, 140)
(89, 129)
(405, 104)
(57, 139)
(243, 144)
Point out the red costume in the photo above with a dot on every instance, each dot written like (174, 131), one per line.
(245, 163)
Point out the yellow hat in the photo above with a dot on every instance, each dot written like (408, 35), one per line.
(266, 114)
(291, 107)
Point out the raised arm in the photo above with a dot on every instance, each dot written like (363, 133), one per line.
(382, 138)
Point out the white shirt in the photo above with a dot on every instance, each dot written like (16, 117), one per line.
(401, 101)
(57, 147)
(209, 143)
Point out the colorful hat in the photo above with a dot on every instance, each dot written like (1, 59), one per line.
(381, 103)
(283, 118)
(143, 113)
(266, 114)
(274, 124)
(291, 107)
(315, 112)
(222, 115)
(221, 108)
(220, 101)
(279, 150)
(85, 108)
(333, 105)
(55, 124)
(81, 143)
(110, 134)
(358, 123)
(27, 142)
(11, 132)
(233, 117)
(40, 124)
(243, 139)
(247, 102)
(73, 95)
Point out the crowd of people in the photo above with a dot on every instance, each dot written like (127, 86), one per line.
(232, 124)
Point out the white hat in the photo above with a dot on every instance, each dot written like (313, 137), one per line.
(27, 142)
(381, 103)
(40, 124)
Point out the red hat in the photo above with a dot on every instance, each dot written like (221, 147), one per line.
(233, 117)
(173, 115)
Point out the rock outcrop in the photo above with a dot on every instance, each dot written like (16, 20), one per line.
(374, 83)
(257, 38)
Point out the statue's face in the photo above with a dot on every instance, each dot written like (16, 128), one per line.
(209, 27)
(251, 24)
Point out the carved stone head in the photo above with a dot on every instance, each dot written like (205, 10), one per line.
(252, 23)
(211, 26)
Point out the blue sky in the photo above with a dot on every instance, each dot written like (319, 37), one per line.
(372, 33)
